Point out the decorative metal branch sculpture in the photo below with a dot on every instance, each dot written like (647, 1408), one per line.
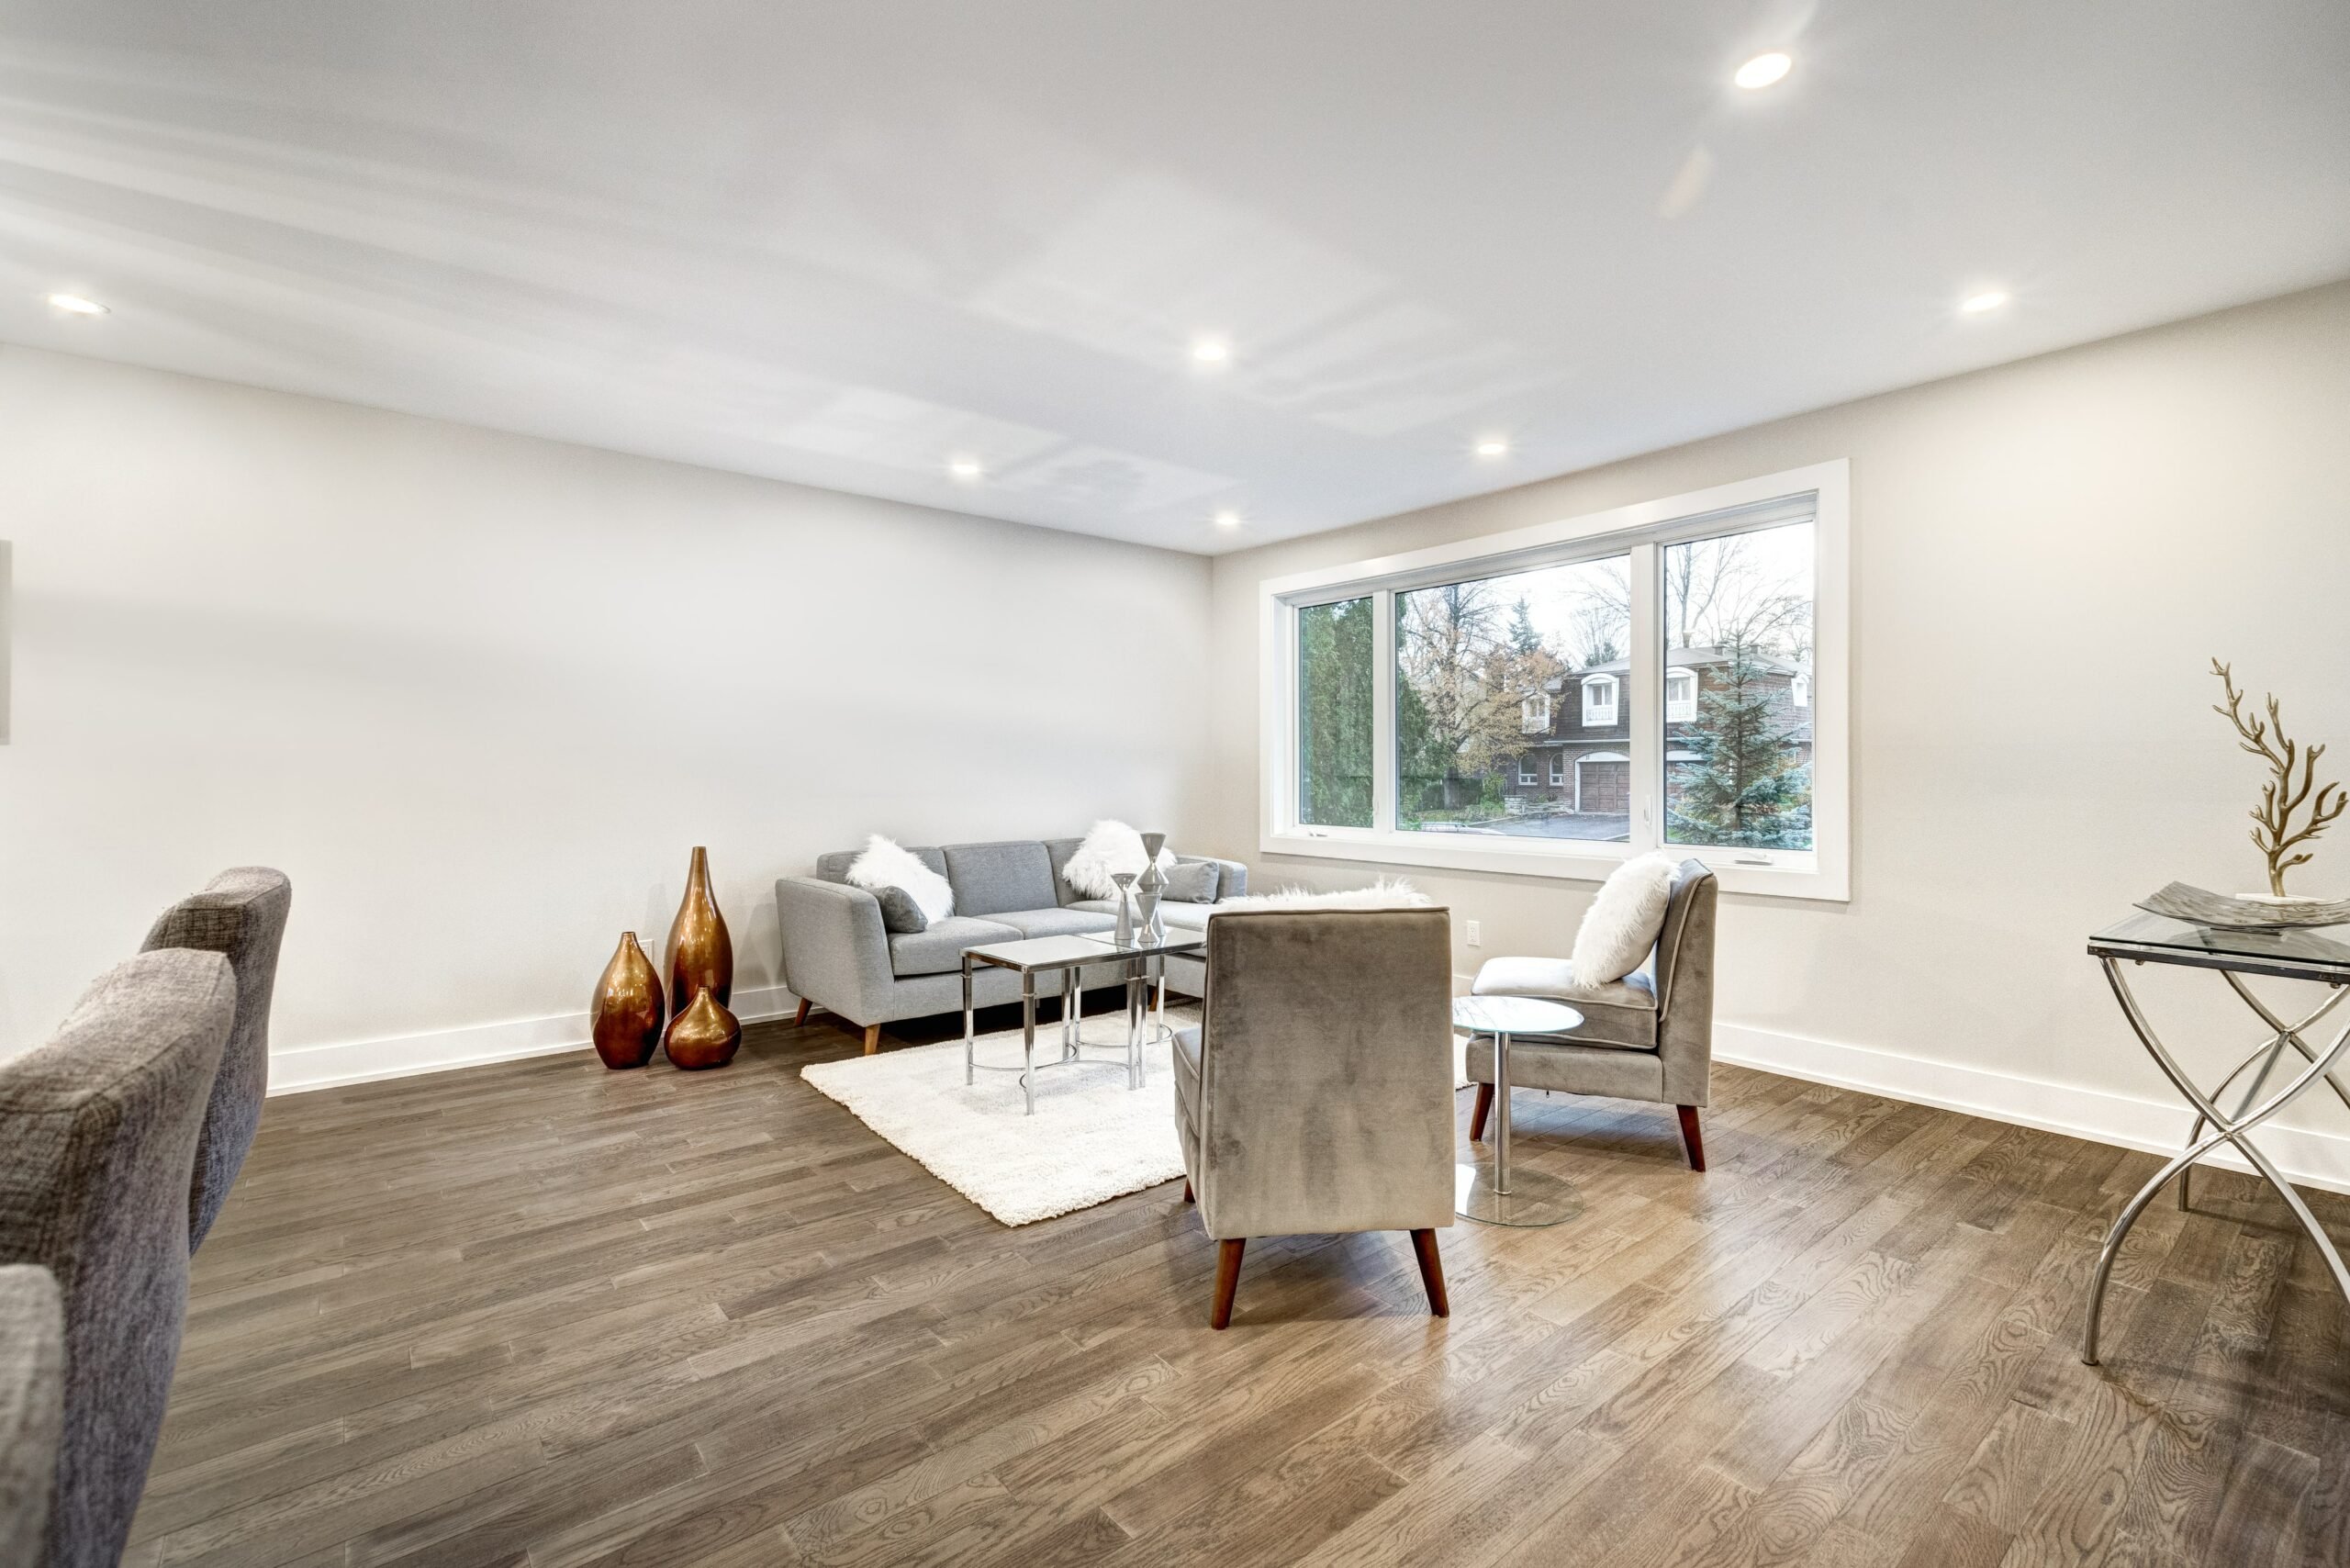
(2273, 833)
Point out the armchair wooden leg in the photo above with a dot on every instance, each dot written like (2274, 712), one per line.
(872, 1038)
(1187, 1189)
(1692, 1136)
(1227, 1280)
(1431, 1271)
(1484, 1108)
(801, 1016)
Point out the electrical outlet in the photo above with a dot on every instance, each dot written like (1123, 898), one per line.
(1476, 935)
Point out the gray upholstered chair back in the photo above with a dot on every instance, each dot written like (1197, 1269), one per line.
(1684, 985)
(241, 914)
(1326, 1063)
(32, 1381)
(102, 1125)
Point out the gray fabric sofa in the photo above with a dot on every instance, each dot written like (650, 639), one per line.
(838, 956)
(32, 1383)
(1316, 1093)
(102, 1125)
(1647, 1036)
(241, 913)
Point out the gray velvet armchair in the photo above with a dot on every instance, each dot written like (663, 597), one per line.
(101, 1126)
(33, 1377)
(239, 914)
(1647, 1036)
(1316, 1093)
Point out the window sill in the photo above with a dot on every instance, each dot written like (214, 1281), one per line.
(1786, 876)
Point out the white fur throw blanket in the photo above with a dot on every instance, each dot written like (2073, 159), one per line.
(1388, 893)
(887, 864)
(1111, 849)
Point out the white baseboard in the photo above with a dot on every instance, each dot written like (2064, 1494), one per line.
(365, 1061)
(2310, 1158)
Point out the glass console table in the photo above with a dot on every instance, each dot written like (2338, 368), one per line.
(2320, 954)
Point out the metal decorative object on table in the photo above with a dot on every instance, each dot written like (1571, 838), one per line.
(1491, 1190)
(2195, 906)
(1138, 963)
(1150, 889)
(2285, 954)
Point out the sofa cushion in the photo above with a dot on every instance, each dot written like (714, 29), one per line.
(1619, 1013)
(992, 877)
(939, 949)
(1194, 881)
(1190, 916)
(1057, 852)
(899, 914)
(834, 867)
(1056, 921)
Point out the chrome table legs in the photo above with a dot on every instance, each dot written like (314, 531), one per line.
(2226, 1130)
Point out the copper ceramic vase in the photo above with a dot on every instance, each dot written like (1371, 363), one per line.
(626, 1019)
(704, 1035)
(701, 954)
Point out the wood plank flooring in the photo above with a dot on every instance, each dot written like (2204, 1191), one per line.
(541, 1314)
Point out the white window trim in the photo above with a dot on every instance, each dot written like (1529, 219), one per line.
(1822, 872)
(1534, 713)
(1676, 712)
(1558, 768)
(1599, 715)
(1527, 775)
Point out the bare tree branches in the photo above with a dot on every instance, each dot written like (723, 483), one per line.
(2283, 795)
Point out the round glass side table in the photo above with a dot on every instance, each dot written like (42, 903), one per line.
(1487, 1190)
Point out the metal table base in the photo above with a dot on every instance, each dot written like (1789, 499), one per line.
(1489, 1190)
(1145, 971)
(2251, 1111)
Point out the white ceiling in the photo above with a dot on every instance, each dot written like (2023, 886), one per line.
(846, 243)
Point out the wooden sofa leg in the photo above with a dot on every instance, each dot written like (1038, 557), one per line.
(1484, 1108)
(1690, 1136)
(1227, 1280)
(872, 1038)
(801, 1016)
(1431, 1271)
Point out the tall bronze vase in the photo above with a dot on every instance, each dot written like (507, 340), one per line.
(704, 1035)
(626, 1019)
(700, 953)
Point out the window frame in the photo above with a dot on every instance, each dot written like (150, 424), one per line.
(1534, 714)
(1676, 710)
(1822, 491)
(1601, 716)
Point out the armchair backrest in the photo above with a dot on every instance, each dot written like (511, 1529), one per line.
(241, 913)
(102, 1125)
(1326, 1063)
(32, 1378)
(1684, 983)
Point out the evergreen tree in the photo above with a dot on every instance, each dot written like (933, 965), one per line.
(1748, 787)
(1333, 655)
(1523, 637)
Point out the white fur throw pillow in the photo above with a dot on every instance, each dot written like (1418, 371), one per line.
(1385, 893)
(1620, 928)
(1111, 848)
(884, 864)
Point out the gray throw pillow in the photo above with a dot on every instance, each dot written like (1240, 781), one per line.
(1194, 881)
(899, 914)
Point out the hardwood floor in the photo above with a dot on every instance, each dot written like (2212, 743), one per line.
(545, 1314)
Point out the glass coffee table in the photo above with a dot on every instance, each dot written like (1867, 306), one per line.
(1489, 1191)
(1143, 965)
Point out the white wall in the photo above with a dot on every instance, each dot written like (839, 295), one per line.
(478, 695)
(2046, 557)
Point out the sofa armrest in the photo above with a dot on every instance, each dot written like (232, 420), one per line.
(835, 949)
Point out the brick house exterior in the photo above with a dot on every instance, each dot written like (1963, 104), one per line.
(1577, 758)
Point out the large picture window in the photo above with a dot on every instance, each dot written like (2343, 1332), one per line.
(1549, 702)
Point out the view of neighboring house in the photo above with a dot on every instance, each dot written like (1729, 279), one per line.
(1576, 758)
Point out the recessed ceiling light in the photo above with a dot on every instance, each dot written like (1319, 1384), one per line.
(964, 469)
(1764, 70)
(1227, 518)
(1492, 446)
(1983, 304)
(1211, 351)
(74, 304)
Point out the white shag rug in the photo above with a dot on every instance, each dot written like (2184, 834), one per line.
(1090, 1140)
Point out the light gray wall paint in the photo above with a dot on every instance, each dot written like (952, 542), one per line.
(2046, 557)
(479, 694)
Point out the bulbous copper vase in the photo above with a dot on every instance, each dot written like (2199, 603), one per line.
(625, 1021)
(704, 1035)
(700, 953)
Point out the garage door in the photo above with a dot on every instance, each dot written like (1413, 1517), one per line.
(1606, 784)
